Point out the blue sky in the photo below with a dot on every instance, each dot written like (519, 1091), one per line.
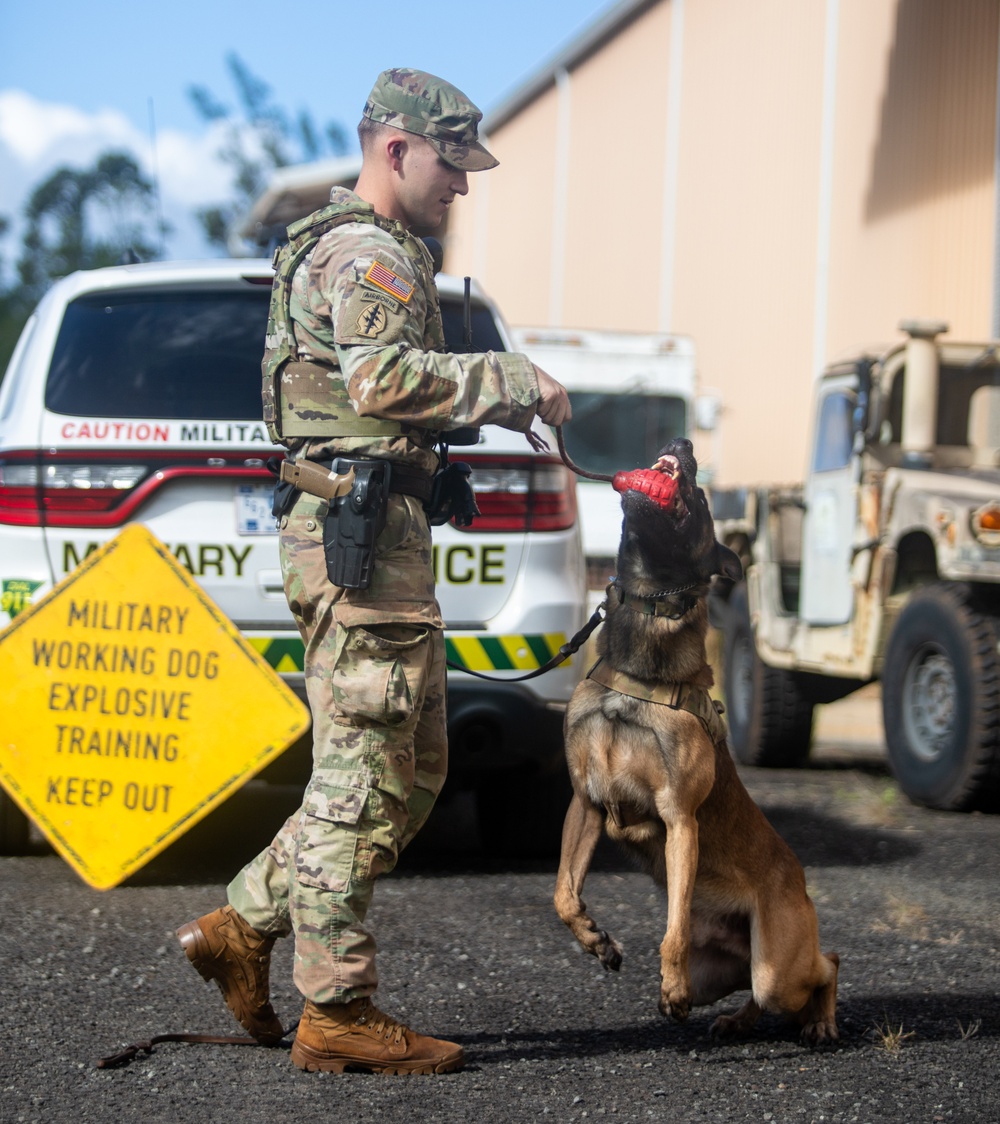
(78, 78)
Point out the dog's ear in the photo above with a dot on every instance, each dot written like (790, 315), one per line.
(727, 563)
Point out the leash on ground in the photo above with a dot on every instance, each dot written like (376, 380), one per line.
(123, 1057)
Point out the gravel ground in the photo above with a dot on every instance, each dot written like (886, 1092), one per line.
(474, 952)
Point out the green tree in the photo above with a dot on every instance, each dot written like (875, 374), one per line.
(259, 137)
(87, 218)
(13, 307)
(77, 219)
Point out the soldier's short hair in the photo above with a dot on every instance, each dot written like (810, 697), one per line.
(368, 132)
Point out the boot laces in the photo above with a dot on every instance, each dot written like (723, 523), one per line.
(381, 1023)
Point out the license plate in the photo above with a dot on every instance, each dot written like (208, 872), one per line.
(253, 509)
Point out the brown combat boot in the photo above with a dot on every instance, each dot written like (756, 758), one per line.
(357, 1035)
(224, 948)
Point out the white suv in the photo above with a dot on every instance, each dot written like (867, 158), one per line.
(134, 395)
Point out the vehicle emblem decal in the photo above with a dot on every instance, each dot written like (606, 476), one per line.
(15, 595)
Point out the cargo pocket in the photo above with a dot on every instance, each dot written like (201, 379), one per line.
(380, 674)
(328, 836)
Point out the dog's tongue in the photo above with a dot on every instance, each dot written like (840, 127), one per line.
(659, 486)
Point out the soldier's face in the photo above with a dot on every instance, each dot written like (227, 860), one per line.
(427, 185)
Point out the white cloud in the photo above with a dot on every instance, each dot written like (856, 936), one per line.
(38, 137)
(189, 169)
(36, 131)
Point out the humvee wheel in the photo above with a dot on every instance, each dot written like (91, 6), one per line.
(770, 718)
(941, 701)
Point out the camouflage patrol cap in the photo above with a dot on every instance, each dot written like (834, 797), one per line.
(417, 102)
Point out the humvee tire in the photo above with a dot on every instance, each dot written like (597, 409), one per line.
(941, 700)
(770, 717)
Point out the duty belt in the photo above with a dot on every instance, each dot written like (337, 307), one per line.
(328, 479)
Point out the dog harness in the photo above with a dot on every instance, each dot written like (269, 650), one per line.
(678, 696)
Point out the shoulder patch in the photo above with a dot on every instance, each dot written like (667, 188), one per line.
(382, 276)
(378, 298)
(372, 320)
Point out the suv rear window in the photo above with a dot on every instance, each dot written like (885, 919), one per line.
(183, 354)
(165, 354)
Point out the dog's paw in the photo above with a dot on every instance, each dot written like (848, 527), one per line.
(728, 1026)
(823, 1033)
(738, 1024)
(676, 1007)
(609, 952)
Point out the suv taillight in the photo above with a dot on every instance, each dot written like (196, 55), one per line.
(99, 489)
(521, 493)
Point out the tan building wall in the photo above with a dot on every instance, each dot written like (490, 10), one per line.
(783, 180)
(914, 193)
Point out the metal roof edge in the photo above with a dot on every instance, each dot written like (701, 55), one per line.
(577, 51)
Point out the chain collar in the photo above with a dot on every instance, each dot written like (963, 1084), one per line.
(657, 604)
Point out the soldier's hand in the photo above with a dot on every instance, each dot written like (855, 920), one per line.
(553, 403)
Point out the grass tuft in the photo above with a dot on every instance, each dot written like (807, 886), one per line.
(890, 1038)
(970, 1031)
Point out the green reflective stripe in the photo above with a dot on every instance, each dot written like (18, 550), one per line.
(490, 653)
(286, 654)
(541, 649)
(495, 654)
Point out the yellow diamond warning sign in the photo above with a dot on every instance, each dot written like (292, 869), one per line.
(132, 707)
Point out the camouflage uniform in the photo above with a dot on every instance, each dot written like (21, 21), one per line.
(374, 658)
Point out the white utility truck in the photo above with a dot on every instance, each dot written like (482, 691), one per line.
(631, 392)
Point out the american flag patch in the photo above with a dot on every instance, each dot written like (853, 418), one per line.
(382, 276)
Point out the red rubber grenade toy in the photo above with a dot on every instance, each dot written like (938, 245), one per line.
(659, 486)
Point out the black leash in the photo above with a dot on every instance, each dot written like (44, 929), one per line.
(561, 656)
(567, 461)
(571, 646)
(112, 1061)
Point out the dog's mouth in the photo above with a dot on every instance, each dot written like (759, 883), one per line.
(661, 484)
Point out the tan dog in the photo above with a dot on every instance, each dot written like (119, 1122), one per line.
(648, 759)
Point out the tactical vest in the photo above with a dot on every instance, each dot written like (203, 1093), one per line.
(288, 380)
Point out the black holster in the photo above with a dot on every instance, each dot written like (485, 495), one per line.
(354, 523)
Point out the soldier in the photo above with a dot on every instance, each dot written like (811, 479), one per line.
(358, 387)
